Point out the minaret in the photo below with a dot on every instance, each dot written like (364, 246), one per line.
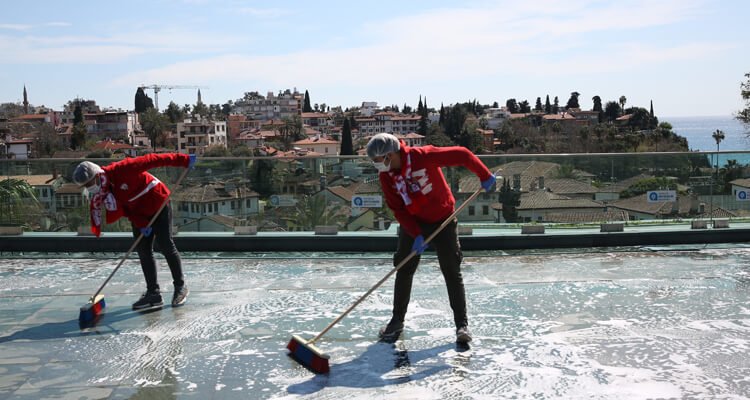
(25, 101)
(199, 97)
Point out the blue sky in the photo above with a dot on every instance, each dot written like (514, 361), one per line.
(688, 56)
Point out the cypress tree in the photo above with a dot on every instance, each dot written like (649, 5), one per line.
(346, 139)
(547, 106)
(306, 107)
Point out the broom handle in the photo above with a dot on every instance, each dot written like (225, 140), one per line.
(138, 240)
(401, 264)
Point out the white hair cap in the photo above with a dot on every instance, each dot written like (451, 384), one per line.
(85, 172)
(382, 144)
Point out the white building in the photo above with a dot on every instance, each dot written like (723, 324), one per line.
(285, 104)
(387, 122)
(194, 137)
(494, 117)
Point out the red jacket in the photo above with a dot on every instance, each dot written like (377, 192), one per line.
(427, 161)
(128, 179)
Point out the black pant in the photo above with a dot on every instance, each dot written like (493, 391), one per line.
(162, 234)
(449, 255)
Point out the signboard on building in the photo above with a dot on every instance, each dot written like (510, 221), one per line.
(655, 196)
(742, 194)
(367, 201)
(282, 200)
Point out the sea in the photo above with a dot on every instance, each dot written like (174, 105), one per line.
(699, 130)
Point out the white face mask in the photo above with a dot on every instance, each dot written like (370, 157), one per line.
(94, 189)
(381, 167)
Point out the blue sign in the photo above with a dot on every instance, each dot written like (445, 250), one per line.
(661, 195)
(742, 195)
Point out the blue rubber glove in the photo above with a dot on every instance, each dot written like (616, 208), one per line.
(487, 184)
(419, 245)
(191, 164)
(146, 231)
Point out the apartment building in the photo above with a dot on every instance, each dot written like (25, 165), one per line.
(195, 136)
(256, 106)
(387, 122)
(119, 125)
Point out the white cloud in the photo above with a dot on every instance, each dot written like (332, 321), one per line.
(267, 13)
(15, 27)
(59, 24)
(478, 42)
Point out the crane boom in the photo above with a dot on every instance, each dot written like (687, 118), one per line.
(157, 88)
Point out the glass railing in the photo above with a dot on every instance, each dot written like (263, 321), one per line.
(291, 194)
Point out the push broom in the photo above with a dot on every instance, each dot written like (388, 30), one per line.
(305, 351)
(96, 303)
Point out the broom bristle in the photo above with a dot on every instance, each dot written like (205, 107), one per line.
(308, 355)
(92, 309)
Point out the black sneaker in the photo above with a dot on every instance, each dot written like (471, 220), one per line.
(148, 300)
(463, 335)
(392, 331)
(180, 296)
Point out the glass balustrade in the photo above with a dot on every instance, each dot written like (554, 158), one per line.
(292, 194)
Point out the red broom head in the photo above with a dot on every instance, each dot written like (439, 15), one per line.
(92, 309)
(308, 355)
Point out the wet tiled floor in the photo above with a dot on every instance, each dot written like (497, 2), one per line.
(669, 322)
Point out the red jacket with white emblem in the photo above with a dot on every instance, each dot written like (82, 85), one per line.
(427, 178)
(138, 193)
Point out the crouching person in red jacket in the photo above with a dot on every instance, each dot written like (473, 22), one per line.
(416, 190)
(125, 189)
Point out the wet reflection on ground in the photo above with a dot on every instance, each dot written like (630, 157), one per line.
(663, 323)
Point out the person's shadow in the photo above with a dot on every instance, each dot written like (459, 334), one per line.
(73, 328)
(373, 367)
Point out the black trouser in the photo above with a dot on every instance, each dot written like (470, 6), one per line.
(162, 234)
(449, 255)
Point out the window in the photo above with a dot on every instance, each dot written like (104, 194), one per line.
(485, 210)
(471, 210)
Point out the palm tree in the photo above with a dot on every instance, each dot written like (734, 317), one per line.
(312, 211)
(718, 137)
(623, 100)
(14, 193)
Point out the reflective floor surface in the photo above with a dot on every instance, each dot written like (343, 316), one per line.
(668, 322)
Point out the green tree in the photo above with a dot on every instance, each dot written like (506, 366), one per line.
(261, 173)
(573, 101)
(612, 111)
(547, 106)
(622, 102)
(556, 106)
(200, 109)
(154, 124)
(48, 142)
(524, 107)
(14, 195)
(512, 106)
(216, 151)
(744, 114)
(347, 149)
(510, 199)
(142, 101)
(306, 107)
(312, 211)
(174, 113)
(78, 136)
(538, 105)
(437, 137)
(423, 117)
(566, 171)
(645, 185)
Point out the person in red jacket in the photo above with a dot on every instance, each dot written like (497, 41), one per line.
(416, 190)
(126, 189)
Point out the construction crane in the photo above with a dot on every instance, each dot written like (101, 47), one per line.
(158, 88)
